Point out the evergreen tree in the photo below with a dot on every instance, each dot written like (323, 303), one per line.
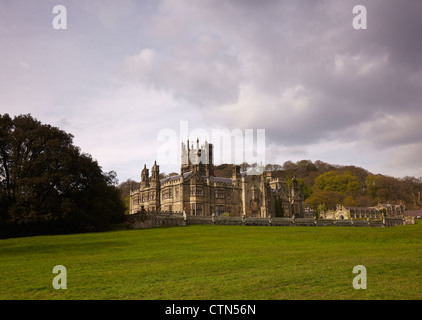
(48, 185)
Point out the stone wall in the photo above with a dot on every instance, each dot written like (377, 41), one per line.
(153, 220)
(143, 220)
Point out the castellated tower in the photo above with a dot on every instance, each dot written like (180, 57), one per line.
(197, 159)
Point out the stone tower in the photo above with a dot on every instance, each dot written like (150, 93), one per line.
(155, 186)
(155, 176)
(197, 159)
(145, 177)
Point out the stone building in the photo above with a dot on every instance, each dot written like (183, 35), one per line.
(197, 191)
(377, 212)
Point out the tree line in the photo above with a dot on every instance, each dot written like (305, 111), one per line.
(48, 185)
(326, 185)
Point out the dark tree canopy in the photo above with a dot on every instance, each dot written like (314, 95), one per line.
(48, 185)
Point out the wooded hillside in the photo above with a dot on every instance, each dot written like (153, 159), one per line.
(329, 184)
(326, 185)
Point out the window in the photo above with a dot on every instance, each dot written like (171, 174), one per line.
(196, 191)
(196, 209)
(168, 193)
(253, 193)
(199, 209)
(219, 210)
(219, 194)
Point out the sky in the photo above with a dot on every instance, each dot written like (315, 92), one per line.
(131, 80)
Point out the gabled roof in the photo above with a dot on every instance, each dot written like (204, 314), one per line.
(176, 177)
(220, 179)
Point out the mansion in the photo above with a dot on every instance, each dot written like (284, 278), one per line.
(198, 192)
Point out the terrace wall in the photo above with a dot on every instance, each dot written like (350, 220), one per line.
(153, 220)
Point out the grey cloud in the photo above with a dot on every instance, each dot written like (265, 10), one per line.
(405, 160)
(202, 72)
(295, 68)
(282, 43)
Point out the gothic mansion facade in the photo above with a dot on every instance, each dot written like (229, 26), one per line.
(197, 191)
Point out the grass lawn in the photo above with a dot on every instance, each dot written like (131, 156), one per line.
(217, 262)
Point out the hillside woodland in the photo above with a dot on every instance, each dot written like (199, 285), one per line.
(326, 185)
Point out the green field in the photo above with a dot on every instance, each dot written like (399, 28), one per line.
(217, 262)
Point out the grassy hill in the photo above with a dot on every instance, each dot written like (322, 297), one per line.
(217, 262)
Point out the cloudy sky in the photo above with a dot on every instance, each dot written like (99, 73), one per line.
(125, 75)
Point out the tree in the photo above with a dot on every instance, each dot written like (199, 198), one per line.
(339, 182)
(412, 188)
(125, 188)
(305, 167)
(364, 201)
(356, 171)
(322, 166)
(384, 188)
(325, 199)
(349, 201)
(290, 168)
(48, 185)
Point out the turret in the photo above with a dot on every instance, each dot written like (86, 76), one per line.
(197, 159)
(145, 177)
(155, 175)
(185, 158)
(236, 176)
